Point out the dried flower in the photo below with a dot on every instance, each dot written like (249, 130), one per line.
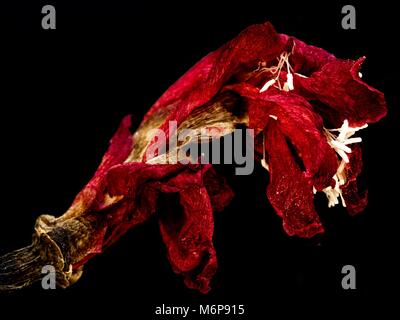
(285, 90)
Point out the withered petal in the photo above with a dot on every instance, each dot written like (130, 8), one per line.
(290, 191)
(344, 96)
(299, 123)
(356, 201)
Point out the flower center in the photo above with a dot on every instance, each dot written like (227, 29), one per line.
(275, 71)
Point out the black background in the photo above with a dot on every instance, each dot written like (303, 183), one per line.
(62, 95)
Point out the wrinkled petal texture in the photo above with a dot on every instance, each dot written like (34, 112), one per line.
(289, 191)
(289, 128)
(356, 202)
(299, 123)
(344, 95)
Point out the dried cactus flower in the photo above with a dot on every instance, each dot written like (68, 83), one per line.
(304, 105)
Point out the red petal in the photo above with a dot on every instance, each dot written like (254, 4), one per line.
(189, 237)
(306, 59)
(189, 240)
(299, 123)
(120, 147)
(218, 189)
(355, 201)
(289, 191)
(344, 95)
(205, 79)
(257, 42)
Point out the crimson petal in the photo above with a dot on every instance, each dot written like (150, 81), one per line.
(299, 123)
(290, 191)
(344, 95)
(356, 202)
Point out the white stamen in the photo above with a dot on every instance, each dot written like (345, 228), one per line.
(267, 85)
(340, 173)
(300, 75)
(354, 129)
(290, 81)
(275, 71)
(273, 117)
(339, 144)
(343, 130)
(286, 87)
(333, 194)
(343, 155)
(360, 74)
(341, 198)
(264, 164)
(362, 127)
(352, 140)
